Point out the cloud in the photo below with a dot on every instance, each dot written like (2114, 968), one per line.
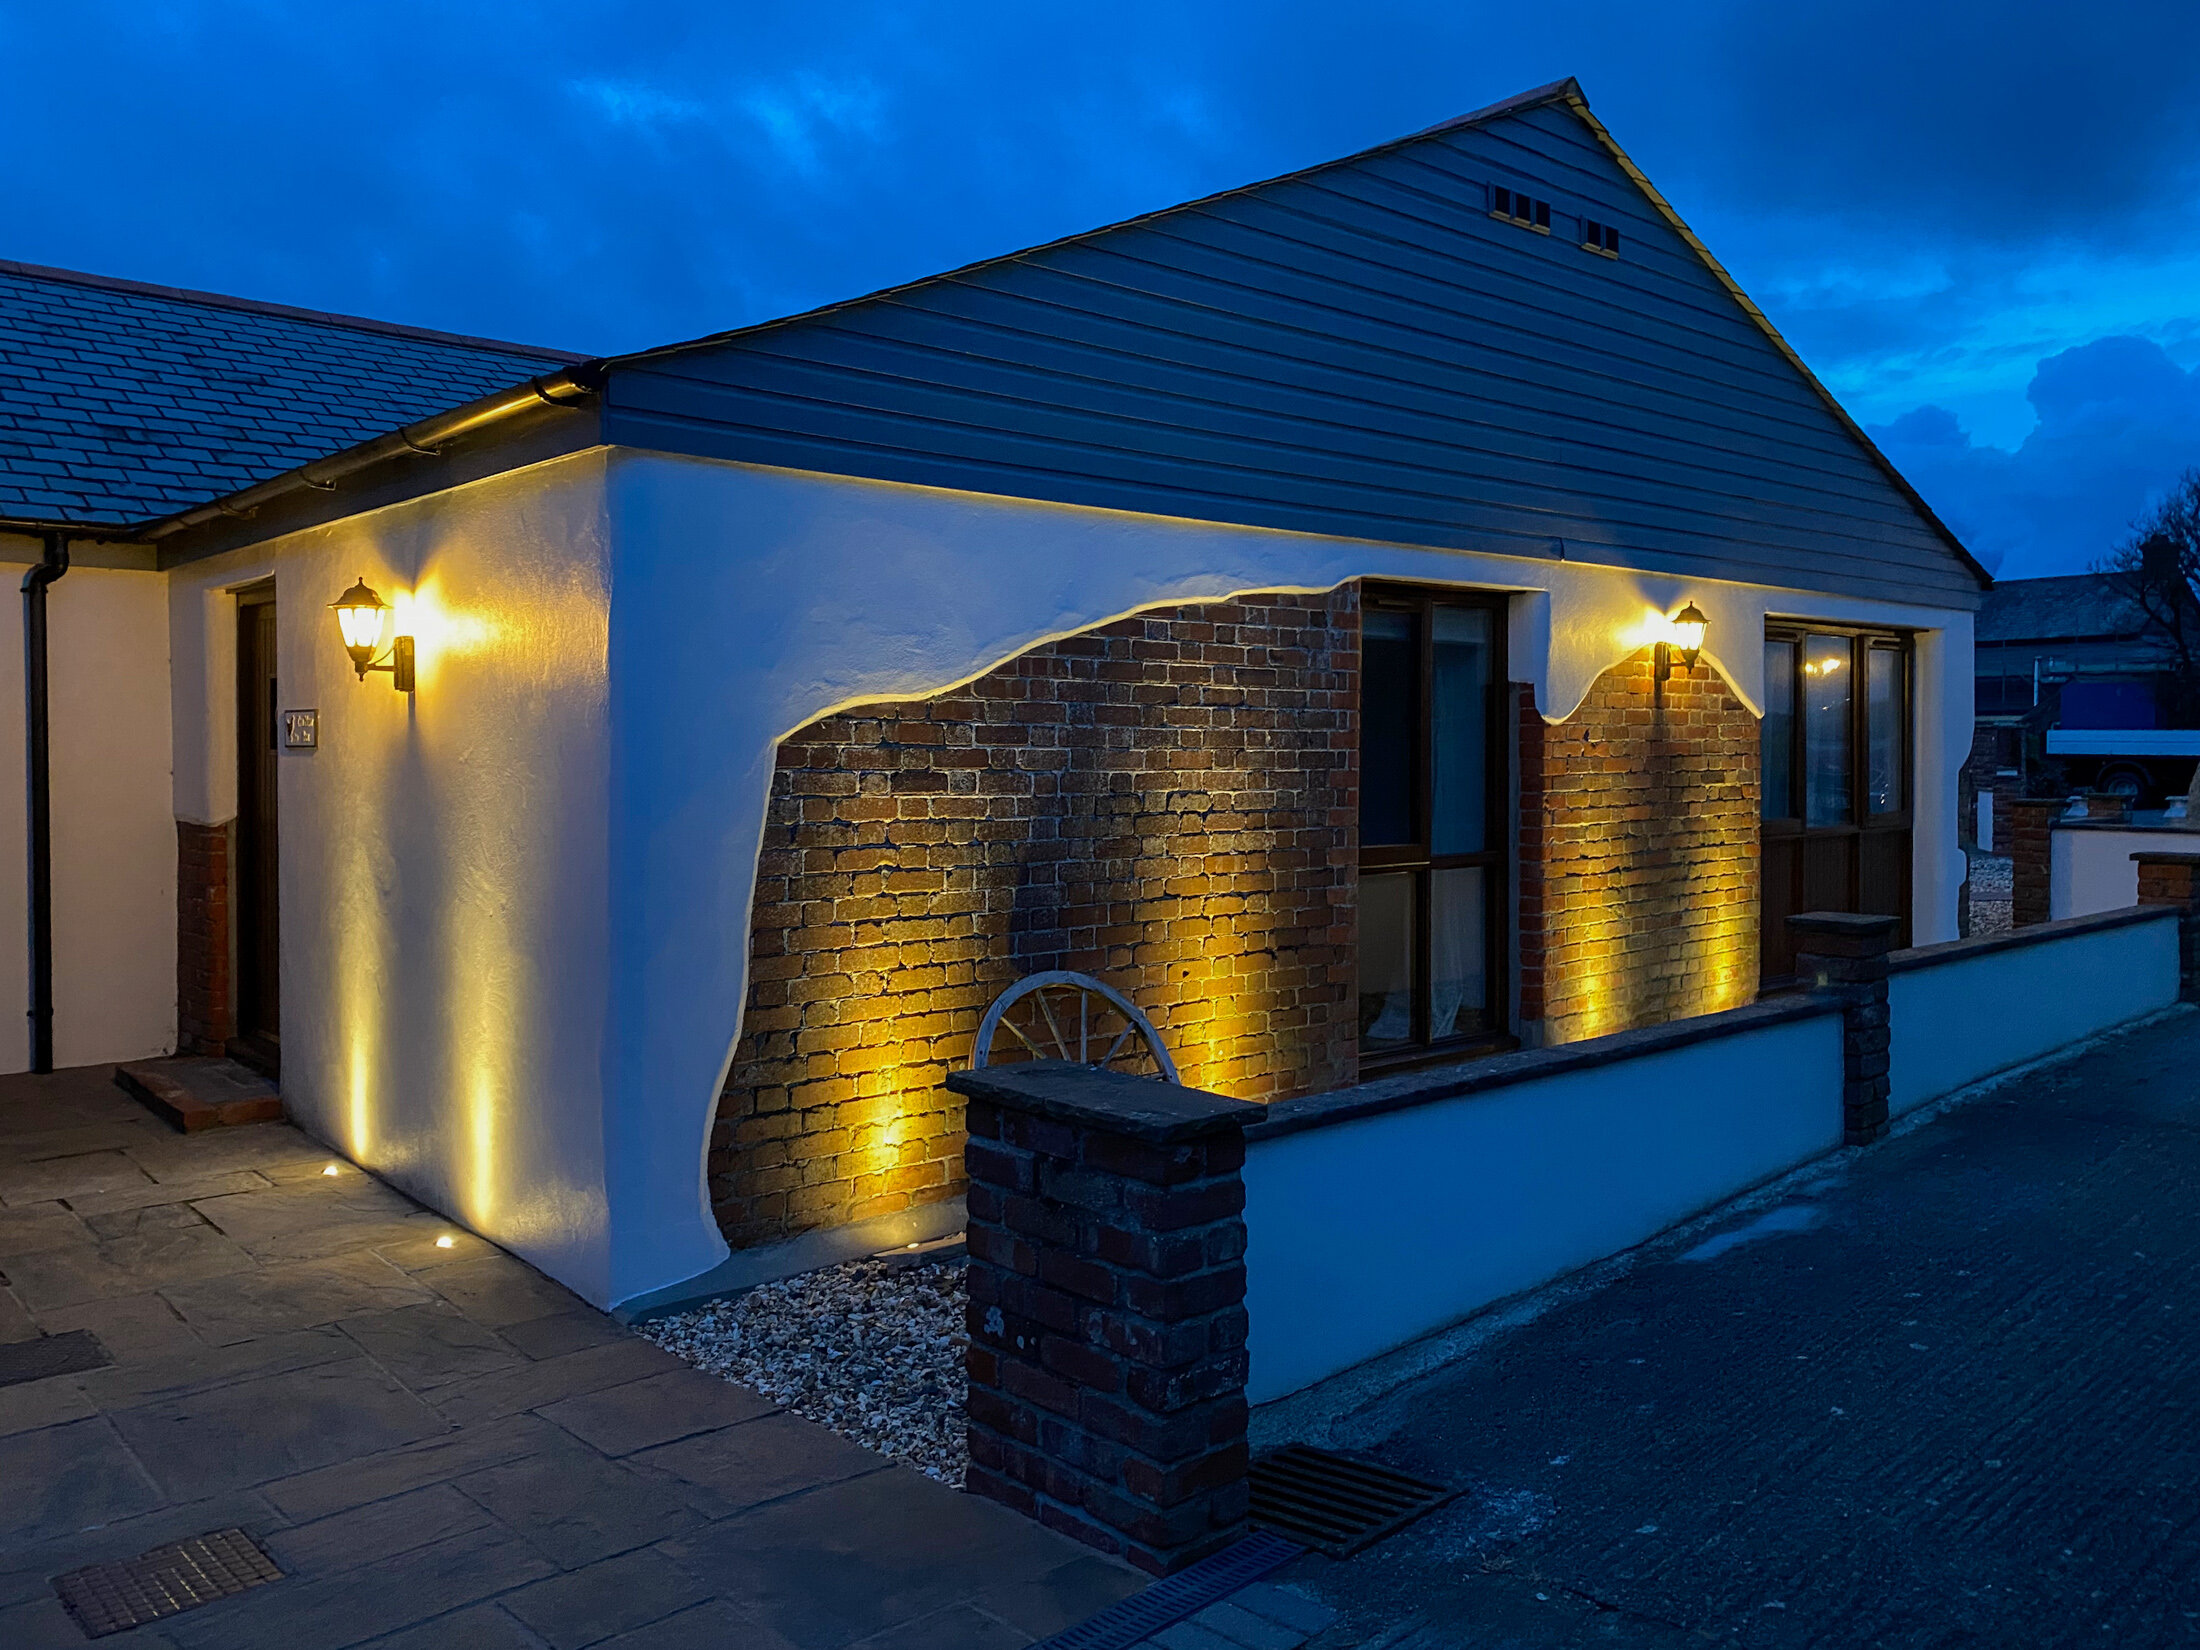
(2118, 422)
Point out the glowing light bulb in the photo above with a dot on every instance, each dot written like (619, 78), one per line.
(445, 1241)
(330, 1170)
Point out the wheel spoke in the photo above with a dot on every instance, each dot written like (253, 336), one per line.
(1061, 1043)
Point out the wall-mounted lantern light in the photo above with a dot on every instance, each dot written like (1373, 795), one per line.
(1685, 632)
(361, 616)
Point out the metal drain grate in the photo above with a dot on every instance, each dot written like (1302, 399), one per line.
(108, 1598)
(1332, 1503)
(1133, 1620)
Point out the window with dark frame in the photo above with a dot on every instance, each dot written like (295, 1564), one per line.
(1433, 831)
(1836, 747)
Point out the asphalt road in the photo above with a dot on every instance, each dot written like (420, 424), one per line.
(1946, 1393)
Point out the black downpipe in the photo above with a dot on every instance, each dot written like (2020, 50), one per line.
(41, 795)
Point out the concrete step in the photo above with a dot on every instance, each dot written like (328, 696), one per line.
(197, 1092)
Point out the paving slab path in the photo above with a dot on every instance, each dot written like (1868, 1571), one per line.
(437, 1444)
(1946, 1392)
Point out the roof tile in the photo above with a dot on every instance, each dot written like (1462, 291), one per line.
(125, 404)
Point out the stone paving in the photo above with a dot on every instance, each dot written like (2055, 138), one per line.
(1945, 1391)
(438, 1445)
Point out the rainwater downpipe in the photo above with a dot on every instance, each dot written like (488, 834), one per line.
(40, 833)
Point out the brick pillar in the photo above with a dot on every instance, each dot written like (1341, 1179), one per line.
(2107, 807)
(1107, 1307)
(1843, 955)
(203, 1007)
(2028, 844)
(2174, 879)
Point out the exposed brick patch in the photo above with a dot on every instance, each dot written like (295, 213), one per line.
(204, 1005)
(2174, 880)
(1843, 955)
(1168, 803)
(1108, 1326)
(1638, 854)
(2030, 847)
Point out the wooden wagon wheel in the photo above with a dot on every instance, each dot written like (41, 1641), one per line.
(1060, 1015)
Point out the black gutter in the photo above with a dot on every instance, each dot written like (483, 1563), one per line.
(426, 439)
(40, 833)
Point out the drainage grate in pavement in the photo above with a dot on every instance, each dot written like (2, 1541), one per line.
(51, 1355)
(1171, 1599)
(1332, 1503)
(107, 1598)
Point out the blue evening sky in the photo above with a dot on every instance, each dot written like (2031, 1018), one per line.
(1979, 222)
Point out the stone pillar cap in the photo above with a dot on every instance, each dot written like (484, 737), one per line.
(1162, 1114)
(1856, 925)
(2167, 856)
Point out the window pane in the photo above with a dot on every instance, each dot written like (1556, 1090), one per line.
(1386, 961)
(1828, 694)
(1461, 730)
(1390, 727)
(1458, 988)
(1889, 728)
(1778, 733)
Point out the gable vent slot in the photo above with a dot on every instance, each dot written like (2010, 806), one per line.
(1518, 207)
(1599, 237)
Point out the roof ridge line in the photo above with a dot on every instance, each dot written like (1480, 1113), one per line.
(288, 312)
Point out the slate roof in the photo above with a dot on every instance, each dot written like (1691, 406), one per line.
(121, 403)
(2068, 608)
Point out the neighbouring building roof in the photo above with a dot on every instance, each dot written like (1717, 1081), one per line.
(121, 403)
(2068, 608)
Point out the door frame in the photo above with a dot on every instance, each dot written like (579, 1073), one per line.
(257, 1046)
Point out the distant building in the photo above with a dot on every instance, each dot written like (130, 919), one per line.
(2077, 690)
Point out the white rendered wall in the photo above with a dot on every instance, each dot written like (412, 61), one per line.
(1369, 1234)
(114, 839)
(750, 602)
(2090, 869)
(443, 881)
(1975, 1014)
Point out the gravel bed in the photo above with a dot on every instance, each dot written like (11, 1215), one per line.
(872, 1349)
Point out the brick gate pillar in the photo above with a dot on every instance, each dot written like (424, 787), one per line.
(1107, 1307)
(2174, 880)
(1843, 955)
(2030, 850)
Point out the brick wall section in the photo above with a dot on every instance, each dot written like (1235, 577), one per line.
(1638, 854)
(1107, 1309)
(1843, 955)
(1167, 803)
(2174, 880)
(203, 1001)
(2030, 847)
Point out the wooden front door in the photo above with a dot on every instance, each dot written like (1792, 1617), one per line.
(1837, 734)
(259, 954)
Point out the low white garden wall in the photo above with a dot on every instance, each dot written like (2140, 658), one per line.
(2090, 868)
(1375, 1215)
(1969, 1008)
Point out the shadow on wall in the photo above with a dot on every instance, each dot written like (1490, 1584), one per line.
(1164, 803)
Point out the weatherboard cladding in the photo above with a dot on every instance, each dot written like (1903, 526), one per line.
(120, 404)
(1360, 350)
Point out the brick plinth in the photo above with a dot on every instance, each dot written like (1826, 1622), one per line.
(1843, 955)
(1107, 1308)
(204, 1011)
(1167, 803)
(2174, 880)
(1638, 854)
(2029, 843)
